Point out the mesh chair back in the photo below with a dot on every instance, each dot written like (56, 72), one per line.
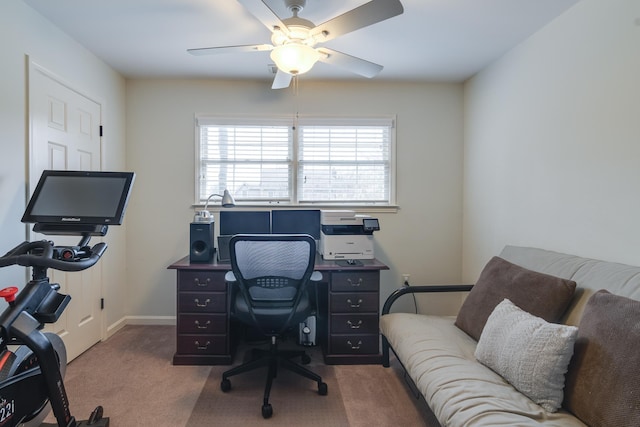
(272, 272)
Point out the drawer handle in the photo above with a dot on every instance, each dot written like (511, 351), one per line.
(355, 284)
(202, 285)
(204, 304)
(202, 347)
(205, 326)
(356, 305)
(355, 347)
(354, 326)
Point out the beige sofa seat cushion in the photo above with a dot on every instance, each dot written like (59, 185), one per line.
(440, 360)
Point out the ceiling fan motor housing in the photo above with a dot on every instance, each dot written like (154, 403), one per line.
(298, 31)
(295, 6)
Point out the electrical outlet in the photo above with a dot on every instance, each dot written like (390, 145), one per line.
(405, 278)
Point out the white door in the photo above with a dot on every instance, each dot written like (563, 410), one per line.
(65, 135)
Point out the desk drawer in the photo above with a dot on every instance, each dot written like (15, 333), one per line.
(202, 344)
(355, 302)
(351, 281)
(354, 344)
(202, 302)
(354, 324)
(202, 323)
(197, 280)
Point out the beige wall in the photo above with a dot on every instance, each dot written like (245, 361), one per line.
(552, 141)
(550, 152)
(24, 32)
(423, 238)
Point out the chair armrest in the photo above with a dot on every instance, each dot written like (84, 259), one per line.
(421, 289)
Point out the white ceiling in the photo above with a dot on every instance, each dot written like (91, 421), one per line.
(433, 40)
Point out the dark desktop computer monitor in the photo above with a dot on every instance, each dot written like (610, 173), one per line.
(296, 221)
(244, 222)
(240, 222)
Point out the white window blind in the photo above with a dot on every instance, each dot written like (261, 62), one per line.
(297, 161)
(251, 160)
(345, 163)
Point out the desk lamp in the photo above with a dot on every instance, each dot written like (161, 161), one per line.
(226, 202)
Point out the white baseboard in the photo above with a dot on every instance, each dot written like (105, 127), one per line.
(140, 320)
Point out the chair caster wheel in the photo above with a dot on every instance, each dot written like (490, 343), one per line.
(225, 385)
(306, 359)
(267, 410)
(322, 389)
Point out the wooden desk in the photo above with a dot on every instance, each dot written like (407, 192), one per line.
(347, 319)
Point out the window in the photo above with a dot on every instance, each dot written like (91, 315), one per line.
(297, 161)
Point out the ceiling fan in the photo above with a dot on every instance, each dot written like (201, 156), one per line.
(294, 39)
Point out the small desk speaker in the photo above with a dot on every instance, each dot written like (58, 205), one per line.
(201, 242)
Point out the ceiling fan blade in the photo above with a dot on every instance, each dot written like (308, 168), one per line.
(360, 17)
(230, 49)
(350, 63)
(282, 80)
(265, 14)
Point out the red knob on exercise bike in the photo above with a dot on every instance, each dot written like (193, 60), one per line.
(9, 294)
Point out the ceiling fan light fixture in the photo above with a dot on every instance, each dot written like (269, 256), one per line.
(278, 37)
(294, 58)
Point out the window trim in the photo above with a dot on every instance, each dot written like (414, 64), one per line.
(289, 120)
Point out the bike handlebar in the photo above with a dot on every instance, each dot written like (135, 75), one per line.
(44, 256)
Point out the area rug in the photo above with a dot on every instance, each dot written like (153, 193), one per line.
(295, 400)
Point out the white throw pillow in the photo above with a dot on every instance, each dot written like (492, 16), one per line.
(530, 353)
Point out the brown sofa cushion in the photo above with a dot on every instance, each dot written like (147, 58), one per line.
(540, 294)
(602, 386)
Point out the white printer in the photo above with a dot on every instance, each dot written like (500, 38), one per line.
(345, 235)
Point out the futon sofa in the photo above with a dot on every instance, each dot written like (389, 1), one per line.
(542, 338)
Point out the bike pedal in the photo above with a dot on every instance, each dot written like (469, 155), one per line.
(103, 422)
(96, 415)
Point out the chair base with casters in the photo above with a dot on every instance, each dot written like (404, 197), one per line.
(274, 359)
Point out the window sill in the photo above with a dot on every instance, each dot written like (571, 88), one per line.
(262, 206)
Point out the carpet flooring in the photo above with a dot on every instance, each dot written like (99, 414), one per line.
(292, 397)
(132, 377)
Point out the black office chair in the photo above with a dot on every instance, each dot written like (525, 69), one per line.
(271, 274)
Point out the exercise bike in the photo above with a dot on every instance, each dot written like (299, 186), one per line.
(32, 362)
(31, 376)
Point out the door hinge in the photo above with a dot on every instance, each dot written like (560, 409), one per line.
(100, 130)
(101, 303)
